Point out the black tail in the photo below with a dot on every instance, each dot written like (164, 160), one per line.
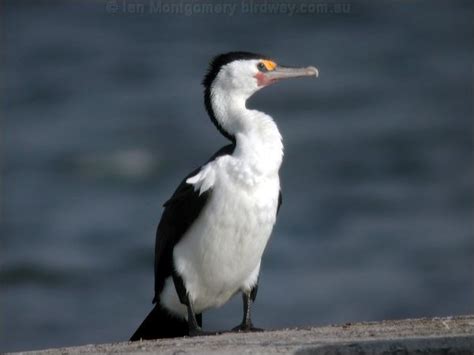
(160, 324)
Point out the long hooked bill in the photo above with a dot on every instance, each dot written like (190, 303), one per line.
(281, 72)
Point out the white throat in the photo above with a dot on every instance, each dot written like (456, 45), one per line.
(258, 140)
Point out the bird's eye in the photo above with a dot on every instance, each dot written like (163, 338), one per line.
(262, 67)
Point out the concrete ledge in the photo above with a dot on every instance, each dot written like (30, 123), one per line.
(449, 335)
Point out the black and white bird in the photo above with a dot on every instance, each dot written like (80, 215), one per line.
(216, 225)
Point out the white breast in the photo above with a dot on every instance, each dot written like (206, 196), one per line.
(221, 252)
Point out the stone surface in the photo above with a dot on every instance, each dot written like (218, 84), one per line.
(448, 335)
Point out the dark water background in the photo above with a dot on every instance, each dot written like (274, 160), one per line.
(103, 116)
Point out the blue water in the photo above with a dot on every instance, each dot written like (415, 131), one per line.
(103, 116)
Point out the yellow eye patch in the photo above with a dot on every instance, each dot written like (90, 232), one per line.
(270, 65)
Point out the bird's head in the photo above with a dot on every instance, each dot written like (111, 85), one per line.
(243, 73)
(238, 75)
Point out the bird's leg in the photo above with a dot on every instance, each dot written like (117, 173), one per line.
(194, 328)
(246, 325)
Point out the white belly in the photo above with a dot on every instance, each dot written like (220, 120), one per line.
(221, 252)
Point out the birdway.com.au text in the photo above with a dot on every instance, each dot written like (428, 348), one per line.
(249, 7)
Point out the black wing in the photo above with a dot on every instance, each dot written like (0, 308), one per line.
(280, 201)
(181, 210)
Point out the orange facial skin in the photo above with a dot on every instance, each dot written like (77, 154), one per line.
(262, 80)
(269, 64)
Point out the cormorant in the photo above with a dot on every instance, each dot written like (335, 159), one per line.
(216, 225)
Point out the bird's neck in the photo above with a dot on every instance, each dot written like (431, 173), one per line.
(258, 140)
